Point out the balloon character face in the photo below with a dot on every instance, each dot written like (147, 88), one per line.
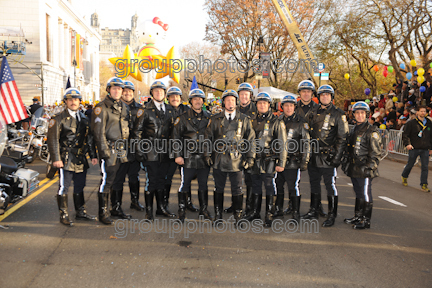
(151, 31)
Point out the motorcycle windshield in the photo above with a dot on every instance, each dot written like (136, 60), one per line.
(3, 135)
(38, 114)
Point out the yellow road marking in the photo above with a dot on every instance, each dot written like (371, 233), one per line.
(30, 197)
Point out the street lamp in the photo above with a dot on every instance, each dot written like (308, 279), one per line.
(260, 41)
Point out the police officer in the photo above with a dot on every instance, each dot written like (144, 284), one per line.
(154, 124)
(247, 107)
(174, 95)
(190, 128)
(306, 108)
(226, 131)
(329, 130)
(70, 142)
(270, 136)
(132, 167)
(364, 151)
(298, 156)
(110, 125)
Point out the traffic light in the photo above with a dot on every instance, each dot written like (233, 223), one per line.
(238, 80)
(226, 82)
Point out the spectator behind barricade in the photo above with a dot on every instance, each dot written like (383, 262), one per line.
(399, 113)
(378, 121)
(428, 94)
(401, 122)
(374, 103)
(403, 96)
(390, 124)
(412, 115)
(389, 102)
(382, 112)
(411, 97)
(382, 101)
(391, 114)
(398, 87)
(372, 120)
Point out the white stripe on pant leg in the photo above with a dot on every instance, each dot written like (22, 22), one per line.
(104, 175)
(366, 187)
(274, 184)
(147, 180)
(182, 179)
(61, 181)
(297, 183)
(334, 182)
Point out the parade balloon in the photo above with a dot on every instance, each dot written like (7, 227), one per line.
(420, 79)
(375, 67)
(430, 65)
(422, 89)
(367, 91)
(395, 99)
(413, 63)
(367, 100)
(415, 73)
(390, 69)
(347, 76)
(409, 75)
(402, 66)
(385, 68)
(385, 73)
(420, 72)
(382, 126)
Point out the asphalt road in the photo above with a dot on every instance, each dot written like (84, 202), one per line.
(37, 251)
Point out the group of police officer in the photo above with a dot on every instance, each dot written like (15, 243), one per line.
(245, 141)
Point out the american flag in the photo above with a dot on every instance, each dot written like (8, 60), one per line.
(12, 108)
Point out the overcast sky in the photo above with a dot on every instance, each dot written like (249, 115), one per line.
(186, 19)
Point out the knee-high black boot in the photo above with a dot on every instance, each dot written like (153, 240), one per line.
(249, 203)
(103, 199)
(62, 202)
(148, 197)
(279, 205)
(160, 202)
(80, 208)
(134, 188)
(331, 216)
(296, 208)
(189, 204)
(203, 201)
(182, 206)
(313, 211)
(270, 202)
(238, 207)
(358, 212)
(254, 212)
(116, 201)
(367, 215)
(218, 206)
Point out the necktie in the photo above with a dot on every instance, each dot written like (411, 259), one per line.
(77, 118)
(229, 118)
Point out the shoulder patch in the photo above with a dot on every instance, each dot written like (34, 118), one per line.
(344, 118)
(140, 112)
(375, 135)
(97, 110)
(177, 121)
(306, 126)
(51, 123)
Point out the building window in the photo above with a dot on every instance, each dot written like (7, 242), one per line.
(48, 43)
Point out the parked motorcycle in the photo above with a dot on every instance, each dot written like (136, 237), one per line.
(15, 182)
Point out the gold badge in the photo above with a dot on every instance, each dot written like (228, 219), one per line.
(98, 110)
(140, 113)
(306, 126)
(51, 123)
(344, 118)
(375, 135)
(177, 121)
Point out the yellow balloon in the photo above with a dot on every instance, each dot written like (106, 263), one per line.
(347, 76)
(420, 72)
(413, 63)
(395, 99)
(382, 126)
(420, 79)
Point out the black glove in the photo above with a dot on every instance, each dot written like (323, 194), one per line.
(248, 164)
(367, 172)
(335, 163)
(208, 161)
(139, 157)
(303, 167)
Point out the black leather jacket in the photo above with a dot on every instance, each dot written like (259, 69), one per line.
(156, 128)
(313, 107)
(187, 128)
(180, 110)
(228, 136)
(249, 110)
(268, 131)
(329, 129)
(297, 130)
(70, 142)
(133, 109)
(364, 148)
(110, 126)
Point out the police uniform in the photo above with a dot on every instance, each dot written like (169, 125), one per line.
(179, 110)
(306, 111)
(110, 125)
(329, 130)
(152, 129)
(298, 156)
(364, 151)
(132, 167)
(270, 140)
(70, 141)
(190, 128)
(226, 131)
